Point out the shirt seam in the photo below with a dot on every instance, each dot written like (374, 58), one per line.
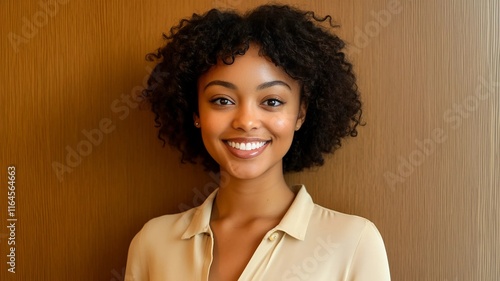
(356, 250)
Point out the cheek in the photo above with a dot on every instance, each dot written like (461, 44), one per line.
(283, 124)
(208, 121)
(209, 129)
(280, 124)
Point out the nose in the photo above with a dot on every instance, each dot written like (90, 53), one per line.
(246, 118)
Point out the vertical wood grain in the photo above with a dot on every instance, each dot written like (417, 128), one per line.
(425, 168)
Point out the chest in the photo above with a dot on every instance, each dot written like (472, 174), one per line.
(233, 249)
(276, 256)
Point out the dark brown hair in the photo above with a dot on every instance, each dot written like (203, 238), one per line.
(298, 41)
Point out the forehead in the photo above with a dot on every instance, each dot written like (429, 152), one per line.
(250, 68)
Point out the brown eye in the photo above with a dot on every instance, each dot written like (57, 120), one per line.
(222, 101)
(273, 102)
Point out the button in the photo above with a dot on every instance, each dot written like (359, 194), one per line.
(273, 236)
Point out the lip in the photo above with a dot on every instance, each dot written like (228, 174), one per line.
(246, 154)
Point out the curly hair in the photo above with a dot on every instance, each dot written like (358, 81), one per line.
(297, 41)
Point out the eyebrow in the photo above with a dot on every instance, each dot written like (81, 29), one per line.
(221, 83)
(273, 83)
(260, 87)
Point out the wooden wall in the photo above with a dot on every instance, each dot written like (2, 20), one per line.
(89, 170)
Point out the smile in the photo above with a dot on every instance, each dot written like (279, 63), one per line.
(246, 146)
(246, 149)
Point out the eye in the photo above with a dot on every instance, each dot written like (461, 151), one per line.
(221, 101)
(273, 102)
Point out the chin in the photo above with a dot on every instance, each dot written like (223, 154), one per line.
(245, 175)
(244, 172)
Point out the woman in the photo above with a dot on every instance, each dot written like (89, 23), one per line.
(255, 96)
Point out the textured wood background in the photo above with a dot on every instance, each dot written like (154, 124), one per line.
(425, 168)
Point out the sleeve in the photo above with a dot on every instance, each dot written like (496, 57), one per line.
(369, 262)
(136, 269)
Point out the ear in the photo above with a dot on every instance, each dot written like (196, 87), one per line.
(301, 117)
(196, 120)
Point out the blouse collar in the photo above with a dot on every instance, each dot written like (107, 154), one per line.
(294, 223)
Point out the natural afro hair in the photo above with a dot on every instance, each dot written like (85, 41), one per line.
(297, 41)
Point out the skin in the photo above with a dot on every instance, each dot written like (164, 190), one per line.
(251, 100)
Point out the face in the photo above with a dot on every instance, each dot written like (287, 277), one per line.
(248, 113)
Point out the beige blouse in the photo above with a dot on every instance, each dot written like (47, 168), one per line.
(310, 243)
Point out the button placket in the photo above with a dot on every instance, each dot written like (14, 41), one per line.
(273, 236)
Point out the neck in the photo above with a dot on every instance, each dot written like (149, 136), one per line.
(266, 197)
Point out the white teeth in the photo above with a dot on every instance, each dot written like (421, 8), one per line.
(246, 146)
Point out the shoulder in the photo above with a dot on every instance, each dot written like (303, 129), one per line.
(357, 238)
(346, 229)
(157, 243)
(176, 227)
(307, 217)
(354, 244)
(172, 225)
(158, 234)
(336, 219)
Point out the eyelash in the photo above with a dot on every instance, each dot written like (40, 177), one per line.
(280, 103)
(219, 102)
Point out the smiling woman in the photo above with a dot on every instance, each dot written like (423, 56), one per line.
(248, 113)
(255, 96)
